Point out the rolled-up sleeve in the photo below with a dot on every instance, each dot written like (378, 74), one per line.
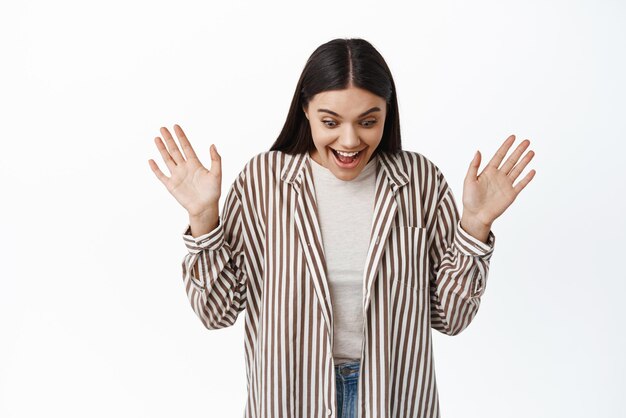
(214, 268)
(459, 266)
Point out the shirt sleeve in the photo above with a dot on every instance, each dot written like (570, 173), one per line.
(459, 266)
(214, 269)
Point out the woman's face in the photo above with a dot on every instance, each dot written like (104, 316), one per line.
(349, 120)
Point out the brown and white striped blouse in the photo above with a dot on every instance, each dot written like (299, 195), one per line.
(266, 256)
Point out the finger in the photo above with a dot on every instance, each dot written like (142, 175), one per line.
(523, 182)
(517, 170)
(501, 153)
(157, 171)
(216, 162)
(184, 143)
(472, 172)
(167, 158)
(172, 147)
(514, 157)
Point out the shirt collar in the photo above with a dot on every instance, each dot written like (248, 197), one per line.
(392, 164)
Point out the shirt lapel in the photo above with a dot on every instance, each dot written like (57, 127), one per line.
(390, 176)
(297, 172)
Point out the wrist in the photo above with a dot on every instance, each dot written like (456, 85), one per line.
(476, 227)
(204, 222)
(206, 213)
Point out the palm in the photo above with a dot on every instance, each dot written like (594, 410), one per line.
(194, 187)
(191, 184)
(489, 194)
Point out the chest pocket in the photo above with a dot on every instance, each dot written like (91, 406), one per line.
(409, 256)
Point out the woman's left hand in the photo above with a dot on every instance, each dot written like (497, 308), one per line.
(486, 196)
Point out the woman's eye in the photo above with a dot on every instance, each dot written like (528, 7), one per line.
(326, 122)
(369, 123)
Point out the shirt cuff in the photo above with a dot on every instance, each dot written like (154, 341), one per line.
(212, 240)
(470, 245)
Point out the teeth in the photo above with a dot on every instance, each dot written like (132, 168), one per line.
(347, 154)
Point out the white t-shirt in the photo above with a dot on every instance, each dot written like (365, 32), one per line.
(345, 210)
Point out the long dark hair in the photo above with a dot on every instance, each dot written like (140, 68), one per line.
(336, 65)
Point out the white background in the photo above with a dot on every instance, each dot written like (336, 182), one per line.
(94, 319)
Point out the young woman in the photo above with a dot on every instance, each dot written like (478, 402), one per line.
(344, 249)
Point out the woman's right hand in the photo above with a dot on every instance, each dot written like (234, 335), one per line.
(197, 189)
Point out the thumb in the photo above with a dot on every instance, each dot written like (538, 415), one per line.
(216, 161)
(472, 171)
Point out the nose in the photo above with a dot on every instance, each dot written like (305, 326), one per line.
(349, 139)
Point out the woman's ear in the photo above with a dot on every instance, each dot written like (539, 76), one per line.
(305, 113)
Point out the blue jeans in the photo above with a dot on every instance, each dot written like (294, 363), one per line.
(347, 380)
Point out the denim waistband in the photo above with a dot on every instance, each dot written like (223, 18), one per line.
(348, 370)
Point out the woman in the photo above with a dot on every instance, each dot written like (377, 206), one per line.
(344, 249)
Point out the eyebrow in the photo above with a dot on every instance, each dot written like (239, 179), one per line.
(374, 109)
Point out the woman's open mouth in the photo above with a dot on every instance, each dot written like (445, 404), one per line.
(347, 159)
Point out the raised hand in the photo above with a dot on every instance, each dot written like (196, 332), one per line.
(486, 196)
(194, 187)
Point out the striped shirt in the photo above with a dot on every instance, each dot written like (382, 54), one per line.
(266, 256)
